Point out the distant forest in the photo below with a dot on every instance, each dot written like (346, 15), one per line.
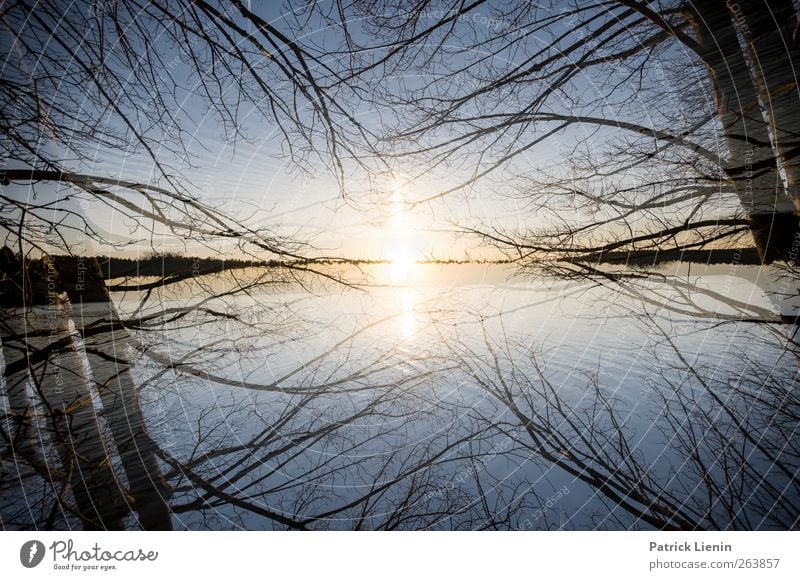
(173, 264)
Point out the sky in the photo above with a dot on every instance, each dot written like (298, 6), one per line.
(254, 178)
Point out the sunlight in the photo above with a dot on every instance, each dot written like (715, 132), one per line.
(401, 238)
(402, 267)
(408, 320)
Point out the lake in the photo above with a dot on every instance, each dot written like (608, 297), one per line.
(463, 397)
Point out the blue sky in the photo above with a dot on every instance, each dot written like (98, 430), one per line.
(253, 177)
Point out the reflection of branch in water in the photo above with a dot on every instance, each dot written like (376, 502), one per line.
(586, 443)
(736, 430)
(729, 461)
(348, 438)
(332, 462)
(328, 444)
(672, 293)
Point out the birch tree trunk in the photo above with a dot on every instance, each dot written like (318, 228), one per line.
(108, 354)
(73, 424)
(770, 31)
(21, 414)
(752, 163)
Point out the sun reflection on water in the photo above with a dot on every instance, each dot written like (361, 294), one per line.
(408, 317)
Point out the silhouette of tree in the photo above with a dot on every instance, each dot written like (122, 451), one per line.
(657, 106)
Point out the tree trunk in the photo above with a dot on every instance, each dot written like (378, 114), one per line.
(752, 163)
(107, 354)
(74, 432)
(21, 429)
(37, 322)
(770, 33)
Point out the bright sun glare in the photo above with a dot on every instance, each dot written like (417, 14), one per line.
(402, 267)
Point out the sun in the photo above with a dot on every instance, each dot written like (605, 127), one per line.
(402, 266)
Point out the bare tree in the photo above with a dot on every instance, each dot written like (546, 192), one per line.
(102, 75)
(658, 106)
(92, 79)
